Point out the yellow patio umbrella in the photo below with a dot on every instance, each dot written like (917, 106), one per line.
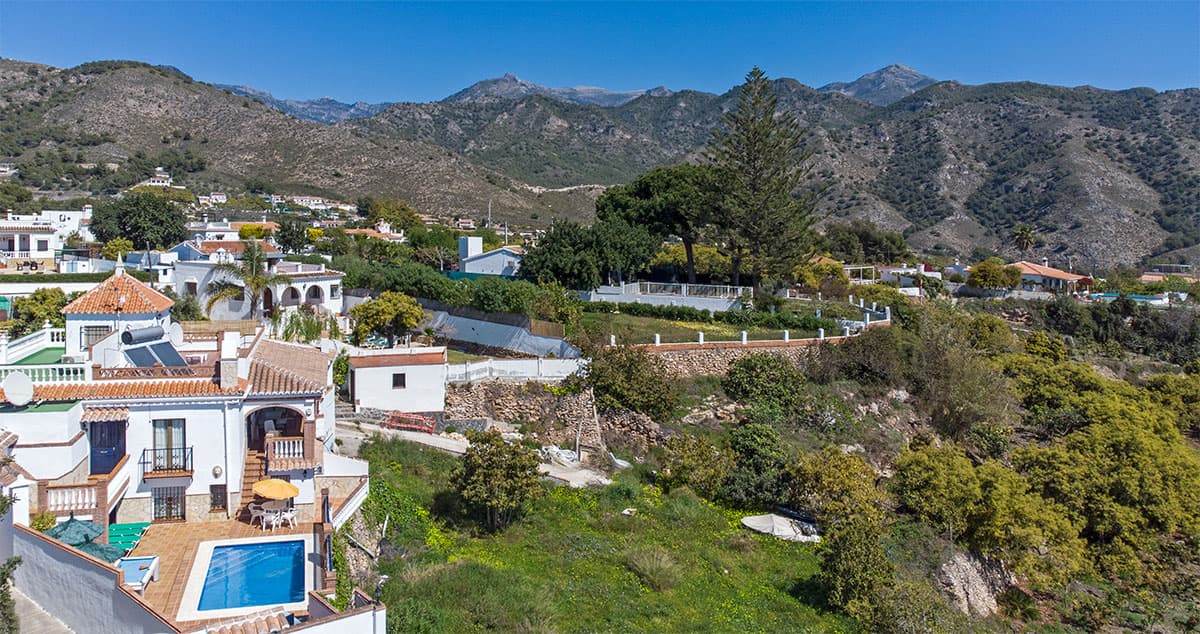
(275, 489)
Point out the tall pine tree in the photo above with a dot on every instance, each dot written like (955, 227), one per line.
(766, 220)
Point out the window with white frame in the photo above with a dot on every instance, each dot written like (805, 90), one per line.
(92, 334)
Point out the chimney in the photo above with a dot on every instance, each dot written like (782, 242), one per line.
(1046, 262)
(228, 369)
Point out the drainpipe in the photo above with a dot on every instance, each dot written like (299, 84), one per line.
(225, 442)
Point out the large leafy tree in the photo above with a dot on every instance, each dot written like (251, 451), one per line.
(396, 212)
(992, 273)
(34, 310)
(292, 235)
(391, 315)
(760, 150)
(497, 477)
(148, 220)
(622, 249)
(565, 255)
(678, 200)
(248, 277)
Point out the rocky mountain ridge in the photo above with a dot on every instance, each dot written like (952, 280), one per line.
(322, 110)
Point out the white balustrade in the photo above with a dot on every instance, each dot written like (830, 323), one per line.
(61, 499)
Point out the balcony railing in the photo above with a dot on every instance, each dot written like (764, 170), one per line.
(58, 373)
(96, 497)
(166, 463)
(285, 453)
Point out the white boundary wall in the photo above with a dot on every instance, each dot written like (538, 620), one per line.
(513, 370)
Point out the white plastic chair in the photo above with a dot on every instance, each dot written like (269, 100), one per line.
(257, 512)
(287, 515)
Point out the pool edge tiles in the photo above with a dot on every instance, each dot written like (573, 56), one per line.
(189, 604)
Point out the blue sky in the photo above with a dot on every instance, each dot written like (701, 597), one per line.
(425, 51)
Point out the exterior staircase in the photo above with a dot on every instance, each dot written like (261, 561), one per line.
(254, 469)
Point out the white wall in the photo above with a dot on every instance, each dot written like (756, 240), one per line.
(79, 591)
(37, 428)
(424, 391)
(25, 289)
(513, 369)
(494, 262)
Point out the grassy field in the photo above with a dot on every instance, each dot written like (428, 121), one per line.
(457, 356)
(574, 563)
(633, 330)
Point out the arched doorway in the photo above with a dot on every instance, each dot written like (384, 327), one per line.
(314, 296)
(283, 420)
(268, 301)
(291, 296)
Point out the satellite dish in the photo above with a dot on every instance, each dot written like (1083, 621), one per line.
(18, 389)
(175, 334)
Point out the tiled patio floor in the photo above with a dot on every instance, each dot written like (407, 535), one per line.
(176, 546)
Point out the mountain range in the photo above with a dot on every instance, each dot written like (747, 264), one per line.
(882, 87)
(1104, 176)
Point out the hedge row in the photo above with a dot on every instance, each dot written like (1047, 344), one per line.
(63, 278)
(780, 320)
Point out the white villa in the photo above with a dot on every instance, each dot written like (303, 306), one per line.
(472, 258)
(123, 417)
(37, 238)
(308, 284)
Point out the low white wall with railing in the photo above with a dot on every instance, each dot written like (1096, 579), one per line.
(513, 370)
(14, 350)
(699, 296)
(50, 373)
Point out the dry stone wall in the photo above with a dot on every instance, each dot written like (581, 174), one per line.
(715, 359)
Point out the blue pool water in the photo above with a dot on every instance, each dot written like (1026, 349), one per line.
(247, 575)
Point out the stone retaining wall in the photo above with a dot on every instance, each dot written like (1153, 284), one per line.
(715, 358)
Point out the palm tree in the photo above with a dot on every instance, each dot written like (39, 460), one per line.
(250, 278)
(1024, 237)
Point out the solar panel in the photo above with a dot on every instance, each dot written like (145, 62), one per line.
(141, 357)
(168, 355)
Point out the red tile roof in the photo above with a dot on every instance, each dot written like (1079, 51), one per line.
(26, 229)
(388, 360)
(104, 414)
(287, 368)
(105, 298)
(209, 247)
(1029, 268)
(123, 390)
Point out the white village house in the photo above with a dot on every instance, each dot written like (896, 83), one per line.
(472, 258)
(409, 380)
(141, 421)
(308, 284)
(40, 237)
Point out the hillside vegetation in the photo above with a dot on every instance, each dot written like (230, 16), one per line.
(63, 126)
(1105, 176)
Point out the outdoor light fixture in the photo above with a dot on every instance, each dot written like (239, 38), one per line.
(217, 471)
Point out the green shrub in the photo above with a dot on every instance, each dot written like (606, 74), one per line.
(43, 522)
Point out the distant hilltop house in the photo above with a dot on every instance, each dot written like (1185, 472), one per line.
(1043, 277)
(161, 178)
(218, 198)
(33, 241)
(1163, 272)
(505, 261)
(224, 229)
(464, 224)
(8, 169)
(312, 202)
(382, 231)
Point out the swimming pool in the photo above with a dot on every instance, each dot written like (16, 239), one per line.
(248, 575)
(232, 577)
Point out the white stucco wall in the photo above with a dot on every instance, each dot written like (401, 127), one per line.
(79, 591)
(495, 262)
(47, 428)
(424, 391)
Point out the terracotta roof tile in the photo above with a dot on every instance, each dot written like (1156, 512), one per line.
(1029, 268)
(208, 247)
(106, 297)
(121, 390)
(104, 414)
(386, 360)
(287, 368)
(7, 439)
(26, 228)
